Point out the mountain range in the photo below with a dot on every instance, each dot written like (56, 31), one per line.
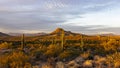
(56, 32)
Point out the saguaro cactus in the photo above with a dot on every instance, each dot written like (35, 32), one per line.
(82, 43)
(22, 42)
(108, 37)
(99, 38)
(62, 39)
(53, 41)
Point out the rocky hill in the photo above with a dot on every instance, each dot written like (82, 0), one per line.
(59, 31)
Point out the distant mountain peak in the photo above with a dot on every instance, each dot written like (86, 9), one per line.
(58, 32)
(59, 29)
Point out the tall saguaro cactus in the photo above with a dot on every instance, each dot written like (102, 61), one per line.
(62, 39)
(109, 37)
(82, 43)
(22, 41)
(53, 41)
(99, 38)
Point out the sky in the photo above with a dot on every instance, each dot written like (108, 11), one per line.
(81, 16)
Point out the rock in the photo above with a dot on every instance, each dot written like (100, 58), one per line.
(60, 65)
(117, 65)
(96, 57)
(72, 64)
(88, 64)
(35, 67)
(79, 60)
(47, 66)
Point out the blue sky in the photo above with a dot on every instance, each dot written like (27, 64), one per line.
(82, 16)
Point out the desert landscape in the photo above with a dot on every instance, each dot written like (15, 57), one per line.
(59, 33)
(60, 49)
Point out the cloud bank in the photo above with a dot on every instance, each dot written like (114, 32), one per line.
(83, 16)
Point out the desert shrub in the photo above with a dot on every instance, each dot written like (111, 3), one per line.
(85, 55)
(69, 54)
(47, 66)
(114, 59)
(17, 59)
(65, 54)
(27, 65)
(38, 51)
(13, 60)
(111, 45)
(4, 61)
(6, 45)
(53, 50)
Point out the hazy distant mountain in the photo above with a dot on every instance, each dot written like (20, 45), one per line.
(27, 34)
(35, 34)
(14, 34)
(3, 34)
(107, 34)
(58, 32)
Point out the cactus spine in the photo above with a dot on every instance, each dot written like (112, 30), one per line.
(22, 42)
